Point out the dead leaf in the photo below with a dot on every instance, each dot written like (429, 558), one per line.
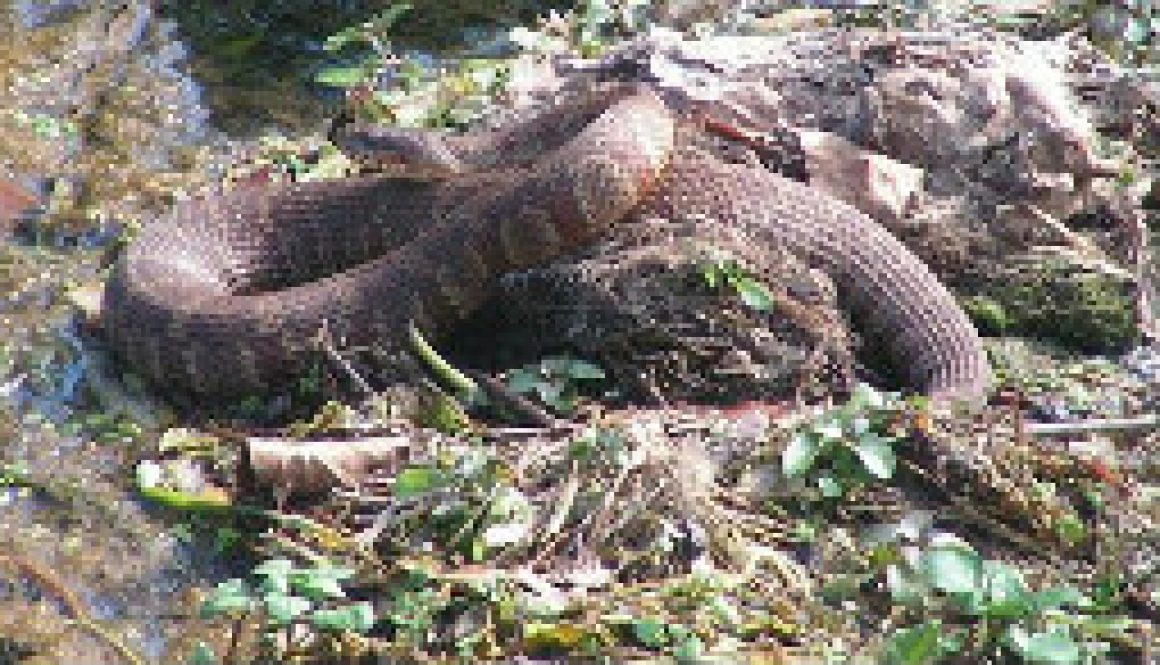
(15, 201)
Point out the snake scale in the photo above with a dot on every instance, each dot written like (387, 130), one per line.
(225, 294)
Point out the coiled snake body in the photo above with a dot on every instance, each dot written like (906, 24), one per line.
(224, 295)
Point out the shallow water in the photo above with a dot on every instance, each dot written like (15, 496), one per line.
(105, 110)
(100, 115)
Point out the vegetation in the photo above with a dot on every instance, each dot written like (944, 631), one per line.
(466, 543)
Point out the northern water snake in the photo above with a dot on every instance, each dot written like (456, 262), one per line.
(224, 295)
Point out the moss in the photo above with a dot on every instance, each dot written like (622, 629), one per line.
(442, 413)
(988, 315)
(1061, 297)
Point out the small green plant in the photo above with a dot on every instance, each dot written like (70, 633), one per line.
(968, 606)
(464, 504)
(726, 273)
(554, 380)
(409, 91)
(847, 446)
(588, 30)
(45, 126)
(372, 34)
(286, 594)
(675, 638)
(15, 474)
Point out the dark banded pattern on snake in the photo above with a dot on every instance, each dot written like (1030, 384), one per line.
(224, 295)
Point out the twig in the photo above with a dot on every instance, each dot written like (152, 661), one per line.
(95, 629)
(325, 341)
(1071, 238)
(518, 405)
(970, 512)
(631, 511)
(609, 497)
(231, 657)
(1138, 237)
(47, 579)
(1141, 423)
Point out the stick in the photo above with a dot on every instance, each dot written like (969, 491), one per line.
(1139, 423)
(324, 341)
(519, 406)
(48, 580)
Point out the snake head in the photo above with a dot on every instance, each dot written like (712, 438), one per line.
(398, 151)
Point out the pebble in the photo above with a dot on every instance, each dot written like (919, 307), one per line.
(1143, 362)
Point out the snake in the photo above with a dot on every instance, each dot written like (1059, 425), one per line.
(226, 294)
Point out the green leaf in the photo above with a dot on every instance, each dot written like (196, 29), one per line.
(1006, 594)
(378, 26)
(799, 456)
(275, 584)
(913, 646)
(951, 568)
(387, 18)
(228, 597)
(202, 655)
(689, 650)
(1071, 530)
(876, 455)
(1057, 597)
(207, 501)
(225, 538)
(416, 480)
(842, 587)
(580, 370)
(1052, 648)
(320, 583)
(712, 276)
(550, 393)
(357, 618)
(342, 77)
(275, 574)
(831, 430)
(554, 366)
(831, 488)
(283, 609)
(650, 632)
(1136, 32)
(904, 588)
(865, 396)
(954, 642)
(754, 294)
(339, 40)
(274, 568)
(1108, 628)
(523, 381)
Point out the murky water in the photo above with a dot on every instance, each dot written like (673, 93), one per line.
(97, 114)
(106, 110)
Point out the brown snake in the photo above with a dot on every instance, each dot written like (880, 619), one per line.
(225, 295)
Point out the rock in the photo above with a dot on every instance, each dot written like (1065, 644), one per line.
(881, 187)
